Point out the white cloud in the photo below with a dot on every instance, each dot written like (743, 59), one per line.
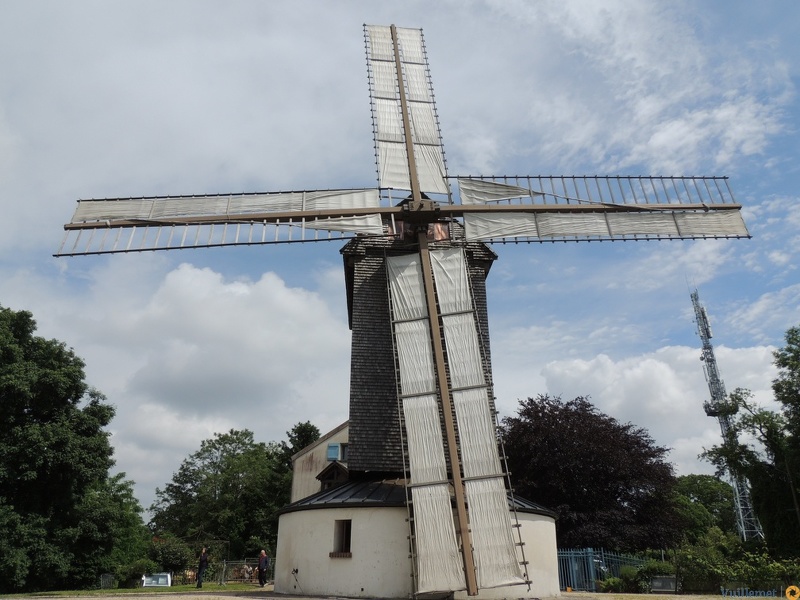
(772, 310)
(662, 391)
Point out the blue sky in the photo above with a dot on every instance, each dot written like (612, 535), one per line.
(141, 98)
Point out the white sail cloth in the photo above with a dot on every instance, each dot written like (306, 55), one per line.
(393, 164)
(239, 206)
(496, 561)
(439, 564)
(653, 222)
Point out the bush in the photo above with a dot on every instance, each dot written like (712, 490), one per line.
(612, 585)
(650, 569)
(170, 553)
(130, 576)
(629, 576)
(760, 571)
(653, 567)
(699, 574)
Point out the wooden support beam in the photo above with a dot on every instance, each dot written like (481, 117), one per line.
(447, 413)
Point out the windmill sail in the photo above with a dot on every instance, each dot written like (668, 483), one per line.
(180, 222)
(438, 558)
(600, 208)
(387, 113)
(439, 351)
(496, 562)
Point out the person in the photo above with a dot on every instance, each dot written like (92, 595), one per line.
(201, 567)
(263, 565)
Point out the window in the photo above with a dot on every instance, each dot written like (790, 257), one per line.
(337, 452)
(333, 451)
(341, 538)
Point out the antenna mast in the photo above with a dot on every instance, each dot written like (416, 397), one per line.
(723, 409)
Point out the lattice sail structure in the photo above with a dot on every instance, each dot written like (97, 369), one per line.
(427, 229)
(484, 479)
(720, 407)
(531, 209)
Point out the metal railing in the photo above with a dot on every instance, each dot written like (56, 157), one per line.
(580, 569)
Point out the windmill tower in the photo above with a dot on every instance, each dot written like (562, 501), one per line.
(720, 407)
(415, 264)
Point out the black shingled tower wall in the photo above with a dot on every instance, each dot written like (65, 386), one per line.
(375, 448)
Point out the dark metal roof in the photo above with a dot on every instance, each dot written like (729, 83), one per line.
(354, 494)
(526, 506)
(384, 493)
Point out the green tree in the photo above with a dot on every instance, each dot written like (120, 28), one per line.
(764, 446)
(170, 553)
(131, 535)
(704, 501)
(760, 448)
(299, 436)
(54, 461)
(608, 482)
(229, 490)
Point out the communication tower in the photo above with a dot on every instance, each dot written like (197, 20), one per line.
(723, 409)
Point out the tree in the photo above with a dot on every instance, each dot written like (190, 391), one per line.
(704, 501)
(55, 503)
(170, 553)
(713, 494)
(124, 514)
(763, 446)
(300, 436)
(608, 482)
(230, 490)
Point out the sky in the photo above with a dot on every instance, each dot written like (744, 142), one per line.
(120, 99)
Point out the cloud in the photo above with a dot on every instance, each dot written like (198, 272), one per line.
(635, 86)
(771, 311)
(128, 99)
(663, 391)
(185, 352)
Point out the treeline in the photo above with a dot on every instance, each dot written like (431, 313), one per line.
(612, 488)
(64, 520)
(227, 494)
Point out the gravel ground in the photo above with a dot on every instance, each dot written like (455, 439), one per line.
(220, 594)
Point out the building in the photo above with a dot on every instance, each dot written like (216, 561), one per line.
(348, 529)
(351, 539)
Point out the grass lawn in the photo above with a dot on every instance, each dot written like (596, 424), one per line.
(175, 589)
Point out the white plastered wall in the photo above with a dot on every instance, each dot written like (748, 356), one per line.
(379, 566)
(539, 535)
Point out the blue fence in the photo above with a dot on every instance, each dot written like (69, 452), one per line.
(581, 569)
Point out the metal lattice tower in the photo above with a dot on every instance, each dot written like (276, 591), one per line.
(723, 409)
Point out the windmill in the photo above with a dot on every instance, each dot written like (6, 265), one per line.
(721, 408)
(428, 231)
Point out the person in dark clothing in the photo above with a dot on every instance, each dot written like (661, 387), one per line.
(201, 567)
(263, 565)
